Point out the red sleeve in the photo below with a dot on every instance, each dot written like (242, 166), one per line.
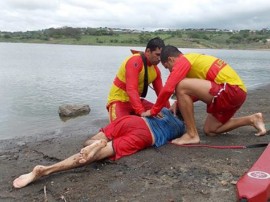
(179, 72)
(133, 67)
(157, 84)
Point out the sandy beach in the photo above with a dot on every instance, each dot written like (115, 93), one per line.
(170, 173)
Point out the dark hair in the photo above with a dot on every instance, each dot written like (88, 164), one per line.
(169, 51)
(155, 43)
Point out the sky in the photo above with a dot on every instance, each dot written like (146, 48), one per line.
(148, 15)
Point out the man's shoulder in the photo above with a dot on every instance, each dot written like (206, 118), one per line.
(135, 60)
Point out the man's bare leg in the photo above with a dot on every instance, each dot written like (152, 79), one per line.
(191, 136)
(184, 91)
(86, 153)
(213, 127)
(69, 163)
(98, 136)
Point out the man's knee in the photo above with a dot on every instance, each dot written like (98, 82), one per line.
(180, 88)
(185, 87)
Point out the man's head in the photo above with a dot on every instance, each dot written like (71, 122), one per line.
(153, 50)
(168, 56)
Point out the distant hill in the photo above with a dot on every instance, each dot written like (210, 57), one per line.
(182, 38)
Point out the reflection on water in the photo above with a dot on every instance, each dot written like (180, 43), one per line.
(36, 79)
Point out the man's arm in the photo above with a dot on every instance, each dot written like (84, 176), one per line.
(179, 72)
(157, 84)
(133, 67)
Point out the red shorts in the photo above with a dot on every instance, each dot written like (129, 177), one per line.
(129, 134)
(227, 100)
(119, 109)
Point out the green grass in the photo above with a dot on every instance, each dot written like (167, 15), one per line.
(184, 39)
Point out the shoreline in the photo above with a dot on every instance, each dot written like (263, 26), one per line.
(169, 173)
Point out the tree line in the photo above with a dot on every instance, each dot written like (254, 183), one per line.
(126, 36)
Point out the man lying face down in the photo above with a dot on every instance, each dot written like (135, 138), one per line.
(122, 137)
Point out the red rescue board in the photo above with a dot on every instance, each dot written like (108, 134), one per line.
(254, 186)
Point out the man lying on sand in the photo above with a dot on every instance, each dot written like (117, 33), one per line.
(124, 136)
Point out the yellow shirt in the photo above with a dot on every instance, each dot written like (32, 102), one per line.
(213, 69)
(129, 82)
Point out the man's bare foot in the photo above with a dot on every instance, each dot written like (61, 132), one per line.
(25, 179)
(186, 139)
(258, 123)
(88, 152)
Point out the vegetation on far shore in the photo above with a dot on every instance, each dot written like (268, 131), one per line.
(182, 38)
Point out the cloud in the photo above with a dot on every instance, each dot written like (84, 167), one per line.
(17, 15)
(30, 5)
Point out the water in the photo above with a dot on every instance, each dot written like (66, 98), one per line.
(35, 79)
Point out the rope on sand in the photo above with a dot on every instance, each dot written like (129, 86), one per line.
(45, 194)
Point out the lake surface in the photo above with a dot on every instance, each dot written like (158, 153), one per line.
(35, 79)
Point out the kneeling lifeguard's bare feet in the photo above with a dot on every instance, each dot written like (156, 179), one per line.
(88, 152)
(186, 139)
(25, 179)
(258, 123)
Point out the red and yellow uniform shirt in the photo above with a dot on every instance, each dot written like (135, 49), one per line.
(199, 66)
(129, 82)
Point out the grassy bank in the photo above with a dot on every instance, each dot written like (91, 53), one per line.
(244, 39)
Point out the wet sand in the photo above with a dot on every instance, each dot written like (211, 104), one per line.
(169, 173)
